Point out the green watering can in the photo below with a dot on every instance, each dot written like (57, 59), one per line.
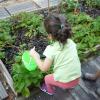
(28, 61)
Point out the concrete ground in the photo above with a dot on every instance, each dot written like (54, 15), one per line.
(5, 3)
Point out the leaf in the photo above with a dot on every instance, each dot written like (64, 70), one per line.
(2, 55)
(18, 59)
(20, 86)
(26, 92)
(28, 82)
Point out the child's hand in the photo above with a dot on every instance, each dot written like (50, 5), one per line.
(33, 53)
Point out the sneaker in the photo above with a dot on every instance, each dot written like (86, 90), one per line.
(89, 76)
(44, 89)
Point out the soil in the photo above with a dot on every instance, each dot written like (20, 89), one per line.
(93, 12)
(40, 43)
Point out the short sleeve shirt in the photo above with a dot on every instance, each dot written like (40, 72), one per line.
(65, 59)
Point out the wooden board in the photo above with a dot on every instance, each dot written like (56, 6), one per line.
(3, 93)
(7, 76)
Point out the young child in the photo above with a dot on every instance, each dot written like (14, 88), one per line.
(62, 54)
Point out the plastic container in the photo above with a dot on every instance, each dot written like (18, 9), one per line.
(28, 61)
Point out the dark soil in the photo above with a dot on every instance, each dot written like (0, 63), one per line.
(23, 43)
(93, 12)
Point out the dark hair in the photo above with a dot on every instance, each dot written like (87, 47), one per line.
(58, 27)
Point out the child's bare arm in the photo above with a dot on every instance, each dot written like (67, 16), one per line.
(43, 65)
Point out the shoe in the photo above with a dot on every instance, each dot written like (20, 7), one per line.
(98, 91)
(44, 89)
(89, 77)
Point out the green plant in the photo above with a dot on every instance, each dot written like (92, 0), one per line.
(15, 35)
(81, 18)
(27, 23)
(95, 26)
(5, 32)
(2, 55)
(72, 4)
(23, 78)
(5, 37)
(93, 3)
(86, 32)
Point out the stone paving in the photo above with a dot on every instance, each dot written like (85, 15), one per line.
(11, 7)
(3, 13)
(4, 3)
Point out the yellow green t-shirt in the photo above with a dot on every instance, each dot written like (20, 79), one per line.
(66, 62)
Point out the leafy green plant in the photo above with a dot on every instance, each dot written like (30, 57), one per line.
(2, 55)
(5, 31)
(93, 3)
(23, 78)
(95, 26)
(27, 23)
(81, 18)
(15, 34)
(72, 4)
(5, 37)
(86, 32)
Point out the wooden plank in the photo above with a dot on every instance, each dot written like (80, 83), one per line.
(60, 94)
(94, 64)
(91, 66)
(86, 68)
(7, 76)
(79, 94)
(98, 61)
(3, 93)
(63, 94)
(87, 53)
(87, 90)
(22, 7)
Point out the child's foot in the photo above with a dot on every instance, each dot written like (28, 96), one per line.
(44, 89)
(90, 77)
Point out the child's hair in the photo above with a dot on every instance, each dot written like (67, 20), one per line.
(58, 27)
